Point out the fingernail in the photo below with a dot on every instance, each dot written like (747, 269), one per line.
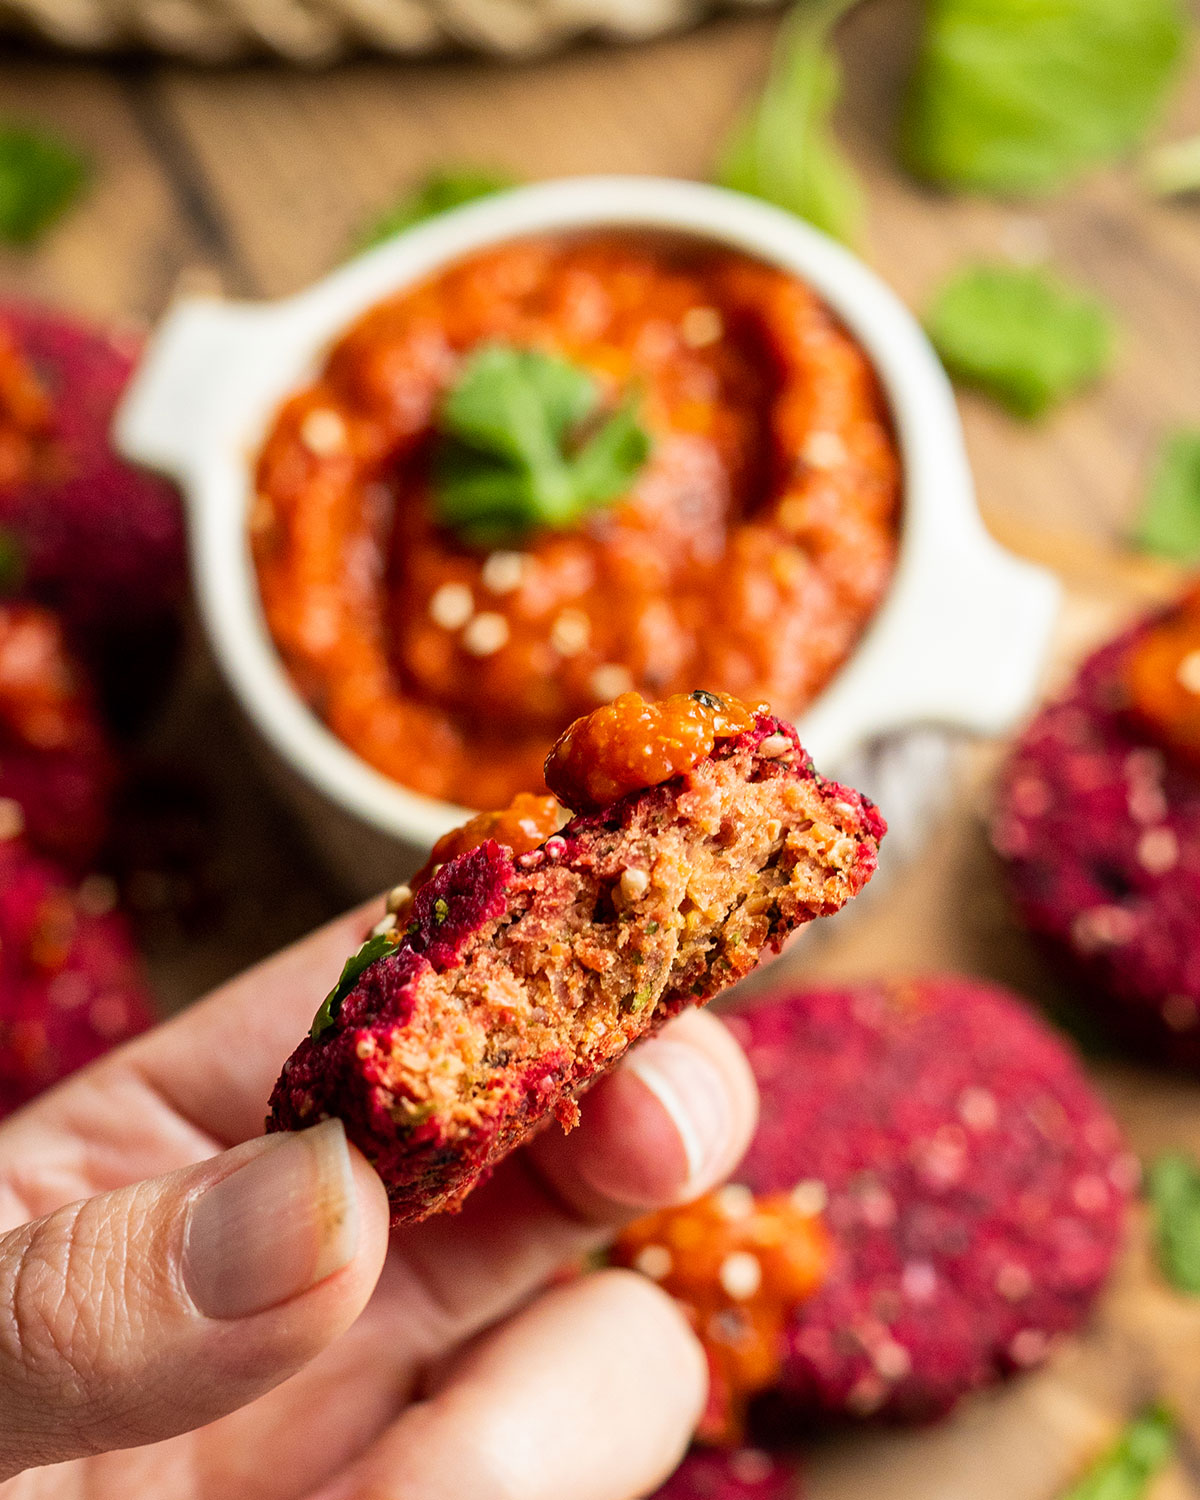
(693, 1091)
(275, 1227)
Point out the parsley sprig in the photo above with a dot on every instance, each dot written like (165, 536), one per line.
(1169, 523)
(1023, 335)
(1013, 97)
(1173, 1186)
(523, 446)
(40, 177)
(1125, 1471)
(356, 965)
(784, 149)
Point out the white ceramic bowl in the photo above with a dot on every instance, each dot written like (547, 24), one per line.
(958, 640)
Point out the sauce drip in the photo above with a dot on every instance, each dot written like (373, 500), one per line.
(526, 823)
(632, 744)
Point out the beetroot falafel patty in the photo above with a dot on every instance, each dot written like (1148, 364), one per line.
(968, 1183)
(71, 986)
(1098, 823)
(521, 976)
(735, 1474)
(56, 765)
(97, 539)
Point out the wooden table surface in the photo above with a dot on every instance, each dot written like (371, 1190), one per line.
(257, 179)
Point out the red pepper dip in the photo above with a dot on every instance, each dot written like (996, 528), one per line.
(750, 550)
(739, 1265)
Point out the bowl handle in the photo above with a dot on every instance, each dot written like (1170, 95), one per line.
(166, 416)
(985, 648)
(964, 647)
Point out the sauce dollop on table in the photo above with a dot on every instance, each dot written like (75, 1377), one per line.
(739, 1266)
(752, 548)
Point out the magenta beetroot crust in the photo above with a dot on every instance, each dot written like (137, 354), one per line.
(63, 794)
(423, 1171)
(1100, 834)
(733, 1474)
(71, 986)
(100, 540)
(974, 1187)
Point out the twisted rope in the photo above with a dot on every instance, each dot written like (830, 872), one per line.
(313, 31)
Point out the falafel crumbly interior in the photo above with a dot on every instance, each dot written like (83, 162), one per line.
(655, 908)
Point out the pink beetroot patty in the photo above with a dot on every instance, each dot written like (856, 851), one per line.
(98, 539)
(71, 987)
(733, 1474)
(972, 1181)
(1100, 834)
(56, 763)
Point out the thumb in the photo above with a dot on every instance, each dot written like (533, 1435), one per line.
(149, 1311)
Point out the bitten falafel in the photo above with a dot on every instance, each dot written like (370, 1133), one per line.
(521, 977)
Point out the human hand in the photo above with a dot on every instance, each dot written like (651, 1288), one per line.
(190, 1309)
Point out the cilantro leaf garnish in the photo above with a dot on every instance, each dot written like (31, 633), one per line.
(1169, 524)
(1173, 1187)
(372, 950)
(1128, 1467)
(784, 149)
(1022, 335)
(1014, 97)
(40, 177)
(517, 452)
(437, 194)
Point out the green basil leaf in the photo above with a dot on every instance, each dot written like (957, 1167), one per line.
(1019, 96)
(440, 192)
(507, 462)
(784, 150)
(356, 965)
(1128, 1467)
(1022, 335)
(1173, 1186)
(1169, 524)
(40, 177)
